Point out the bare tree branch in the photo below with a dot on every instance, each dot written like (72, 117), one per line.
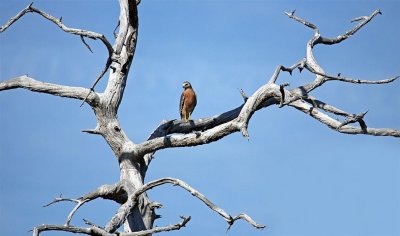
(127, 207)
(334, 124)
(79, 203)
(358, 81)
(353, 119)
(187, 140)
(12, 20)
(353, 81)
(348, 34)
(89, 231)
(80, 32)
(326, 107)
(177, 226)
(215, 128)
(29, 83)
(280, 68)
(97, 231)
(114, 192)
(203, 124)
(246, 218)
(238, 123)
(304, 22)
(61, 199)
(311, 63)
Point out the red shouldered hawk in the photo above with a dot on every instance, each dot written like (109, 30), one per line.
(187, 102)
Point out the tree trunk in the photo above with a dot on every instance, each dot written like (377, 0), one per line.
(142, 216)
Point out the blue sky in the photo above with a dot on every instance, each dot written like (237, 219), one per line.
(294, 174)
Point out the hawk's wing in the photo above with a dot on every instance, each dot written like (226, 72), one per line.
(181, 102)
(194, 101)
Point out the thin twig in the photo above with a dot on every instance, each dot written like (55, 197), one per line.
(304, 22)
(354, 81)
(60, 199)
(87, 45)
(109, 61)
(244, 95)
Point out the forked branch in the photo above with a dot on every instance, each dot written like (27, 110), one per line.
(337, 126)
(79, 32)
(126, 208)
(97, 231)
(280, 68)
(115, 192)
(58, 22)
(79, 203)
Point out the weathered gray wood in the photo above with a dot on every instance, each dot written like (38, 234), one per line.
(29, 83)
(125, 209)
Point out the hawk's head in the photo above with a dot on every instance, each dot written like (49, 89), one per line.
(186, 85)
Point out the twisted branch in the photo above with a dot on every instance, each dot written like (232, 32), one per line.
(58, 22)
(364, 20)
(80, 32)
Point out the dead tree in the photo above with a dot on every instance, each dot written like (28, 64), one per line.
(137, 211)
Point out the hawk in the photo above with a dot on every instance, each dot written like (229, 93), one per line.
(187, 102)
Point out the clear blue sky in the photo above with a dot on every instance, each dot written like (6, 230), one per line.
(294, 174)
